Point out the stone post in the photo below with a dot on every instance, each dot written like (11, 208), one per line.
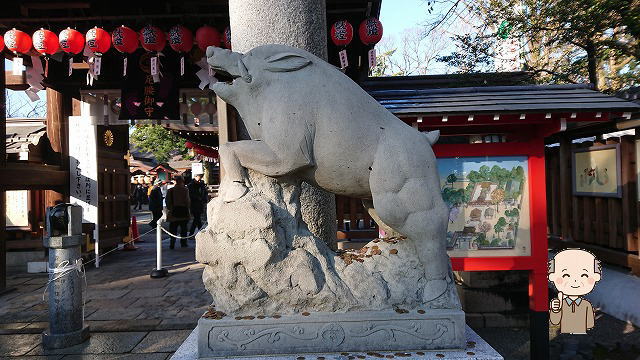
(302, 24)
(66, 312)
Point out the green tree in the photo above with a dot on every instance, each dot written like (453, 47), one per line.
(571, 41)
(474, 53)
(162, 143)
(452, 178)
(475, 177)
(497, 196)
(499, 226)
(512, 214)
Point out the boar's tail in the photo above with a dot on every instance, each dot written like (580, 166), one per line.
(432, 136)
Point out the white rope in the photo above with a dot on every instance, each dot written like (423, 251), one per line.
(183, 237)
(63, 269)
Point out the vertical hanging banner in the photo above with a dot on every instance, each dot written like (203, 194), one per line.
(142, 97)
(344, 61)
(372, 58)
(83, 169)
(17, 66)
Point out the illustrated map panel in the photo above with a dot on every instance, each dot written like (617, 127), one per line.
(488, 202)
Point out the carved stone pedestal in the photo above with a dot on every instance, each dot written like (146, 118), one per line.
(332, 332)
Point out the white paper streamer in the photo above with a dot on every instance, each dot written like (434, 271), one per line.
(91, 75)
(181, 65)
(205, 74)
(17, 66)
(344, 60)
(70, 66)
(124, 66)
(34, 78)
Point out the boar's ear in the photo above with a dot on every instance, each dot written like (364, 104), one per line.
(285, 62)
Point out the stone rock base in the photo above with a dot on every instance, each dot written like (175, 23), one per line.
(476, 348)
(365, 331)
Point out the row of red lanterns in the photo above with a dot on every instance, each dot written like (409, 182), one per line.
(369, 31)
(123, 39)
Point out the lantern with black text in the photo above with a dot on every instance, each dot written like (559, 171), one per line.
(71, 41)
(341, 35)
(181, 41)
(17, 41)
(125, 40)
(227, 37)
(370, 32)
(207, 36)
(45, 42)
(152, 38)
(98, 40)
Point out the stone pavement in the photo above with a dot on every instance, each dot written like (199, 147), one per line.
(131, 316)
(135, 317)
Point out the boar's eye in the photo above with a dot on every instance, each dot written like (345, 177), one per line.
(566, 275)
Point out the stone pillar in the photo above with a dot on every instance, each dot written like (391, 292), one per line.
(66, 307)
(302, 24)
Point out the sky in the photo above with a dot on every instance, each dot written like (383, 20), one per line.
(399, 15)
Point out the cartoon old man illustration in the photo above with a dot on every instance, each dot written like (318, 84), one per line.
(574, 272)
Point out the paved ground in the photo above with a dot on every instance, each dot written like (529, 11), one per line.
(135, 317)
(131, 316)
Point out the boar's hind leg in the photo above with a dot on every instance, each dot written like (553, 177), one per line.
(258, 156)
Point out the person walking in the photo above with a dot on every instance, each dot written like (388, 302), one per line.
(156, 203)
(178, 206)
(138, 197)
(198, 197)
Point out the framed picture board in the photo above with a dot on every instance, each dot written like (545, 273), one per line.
(596, 171)
(488, 201)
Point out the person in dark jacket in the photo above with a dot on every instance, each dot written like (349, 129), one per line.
(178, 211)
(198, 196)
(138, 196)
(155, 203)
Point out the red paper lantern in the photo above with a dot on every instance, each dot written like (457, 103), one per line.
(125, 39)
(341, 33)
(152, 38)
(98, 40)
(370, 31)
(71, 41)
(180, 39)
(207, 36)
(17, 41)
(1, 43)
(45, 42)
(227, 37)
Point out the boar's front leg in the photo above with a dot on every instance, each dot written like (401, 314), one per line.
(258, 156)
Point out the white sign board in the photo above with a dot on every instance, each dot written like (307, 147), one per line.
(17, 208)
(197, 169)
(83, 168)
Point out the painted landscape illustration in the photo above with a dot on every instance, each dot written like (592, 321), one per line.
(484, 196)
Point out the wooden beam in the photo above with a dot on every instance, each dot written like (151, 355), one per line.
(29, 176)
(16, 82)
(59, 106)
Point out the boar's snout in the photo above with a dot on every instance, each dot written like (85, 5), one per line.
(211, 50)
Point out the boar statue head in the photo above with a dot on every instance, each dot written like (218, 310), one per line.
(251, 72)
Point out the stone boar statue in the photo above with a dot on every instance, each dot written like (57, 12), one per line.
(308, 120)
